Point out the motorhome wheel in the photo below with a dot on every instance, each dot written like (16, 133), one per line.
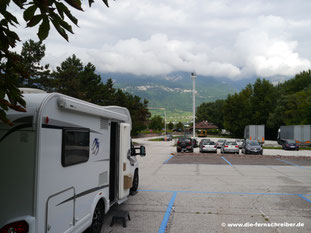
(98, 219)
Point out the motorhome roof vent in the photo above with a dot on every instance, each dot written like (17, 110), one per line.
(104, 123)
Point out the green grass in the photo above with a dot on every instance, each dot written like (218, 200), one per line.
(156, 139)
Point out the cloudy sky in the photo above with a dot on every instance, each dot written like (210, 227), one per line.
(222, 38)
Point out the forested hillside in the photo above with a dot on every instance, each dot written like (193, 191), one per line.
(288, 103)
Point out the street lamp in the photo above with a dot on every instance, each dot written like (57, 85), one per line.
(193, 76)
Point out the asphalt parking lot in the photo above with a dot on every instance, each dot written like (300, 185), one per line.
(217, 193)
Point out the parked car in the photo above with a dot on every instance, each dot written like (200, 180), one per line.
(219, 143)
(184, 144)
(230, 147)
(204, 140)
(251, 147)
(290, 145)
(194, 143)
(239, 142)
(208, 146)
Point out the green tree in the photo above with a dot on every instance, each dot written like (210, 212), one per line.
(263, 101)
(296, 84)
(211, 112)
(156, 123)
(32, 54)
(170, 126)
(237, 111)
(12, 69)
(180, 126)
(74, 79)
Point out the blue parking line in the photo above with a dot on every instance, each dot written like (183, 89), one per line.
(226, 160)
(168, 159)
(293, 164)
(167, 213)
(304, 198)
(238, 193)
(174, 194)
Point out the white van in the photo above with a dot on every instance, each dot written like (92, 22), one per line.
(63, 164)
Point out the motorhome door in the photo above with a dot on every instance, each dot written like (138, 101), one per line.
(125, 178)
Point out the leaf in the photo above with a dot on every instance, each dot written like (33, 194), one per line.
(4, 4)
(3, 117)
(65, 25)
(19, 3)
(60, 30)
(9, 17)
(91, 2)
(70, 16)
(106, 2)
(29, 12)
(60, 9)
(34, 20)
(75, 4)
(44, 29)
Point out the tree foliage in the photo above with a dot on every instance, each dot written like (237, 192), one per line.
(263, 103)
(41, 13)
(211, 112)
(170, 126)
(180, 126)
(73, 78)
(156, 123)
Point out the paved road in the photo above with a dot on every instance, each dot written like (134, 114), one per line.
(207, 197)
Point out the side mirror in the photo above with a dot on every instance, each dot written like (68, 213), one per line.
(142, 151)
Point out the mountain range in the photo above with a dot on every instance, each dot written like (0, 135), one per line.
(174, 91)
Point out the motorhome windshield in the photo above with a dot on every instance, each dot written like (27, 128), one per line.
(17, 169)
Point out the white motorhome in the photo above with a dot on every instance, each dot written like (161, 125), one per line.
(63, 164)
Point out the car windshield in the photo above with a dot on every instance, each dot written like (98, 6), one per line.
(209, 143)
(253, 143)
(291, 142)
(231, 143)
(221, 140)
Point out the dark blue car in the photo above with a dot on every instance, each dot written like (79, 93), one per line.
(290, 145)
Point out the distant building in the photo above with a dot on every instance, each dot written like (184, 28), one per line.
(204, 127)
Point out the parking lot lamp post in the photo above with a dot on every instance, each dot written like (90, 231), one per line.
(165, 123)
(193, 76)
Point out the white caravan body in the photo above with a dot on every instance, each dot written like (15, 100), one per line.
(61, 158)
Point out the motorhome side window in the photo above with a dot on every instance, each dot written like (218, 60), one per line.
(76, 146)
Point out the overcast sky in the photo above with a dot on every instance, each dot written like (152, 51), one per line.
(221, 38)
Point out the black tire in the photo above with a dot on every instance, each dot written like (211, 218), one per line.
(178, 151)
(98, 219)
(135, 181)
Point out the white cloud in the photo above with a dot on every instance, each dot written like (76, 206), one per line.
(220, 38)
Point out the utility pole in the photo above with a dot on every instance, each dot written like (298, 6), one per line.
(193, 76)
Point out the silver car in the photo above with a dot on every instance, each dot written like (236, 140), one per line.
(230, 147)
(219, 143)
(208, 146)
